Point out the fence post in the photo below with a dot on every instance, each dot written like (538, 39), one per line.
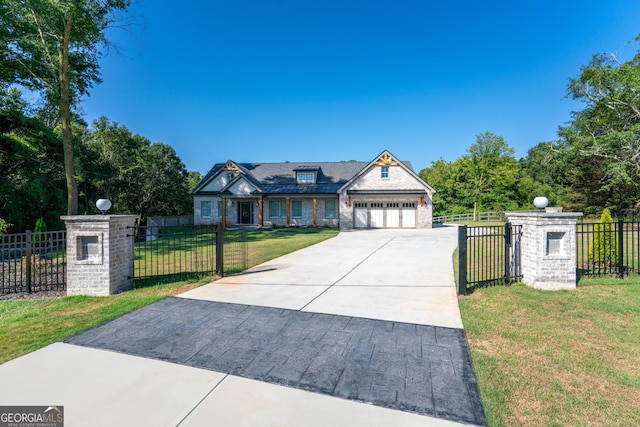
(220, 249)
(462, 260)
(28, 260)
(620, 248)
(507, 252)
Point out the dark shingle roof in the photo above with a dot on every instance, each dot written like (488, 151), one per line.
(281, 177)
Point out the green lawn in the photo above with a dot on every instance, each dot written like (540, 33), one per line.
(557, 358)
(27, 325)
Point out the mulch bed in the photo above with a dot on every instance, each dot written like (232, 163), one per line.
(34, 295)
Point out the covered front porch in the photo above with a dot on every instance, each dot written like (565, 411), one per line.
(241, 210)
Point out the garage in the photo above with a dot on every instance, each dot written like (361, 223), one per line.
(384, 215)
(386, 193)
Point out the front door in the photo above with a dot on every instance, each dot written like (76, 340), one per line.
(245, 213)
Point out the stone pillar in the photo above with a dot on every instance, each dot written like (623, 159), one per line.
(99, 254)
(548, 247)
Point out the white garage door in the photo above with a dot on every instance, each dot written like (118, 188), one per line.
(393, 215)
(376, 214)
(408, 215)
(360, 215)
(384, 215)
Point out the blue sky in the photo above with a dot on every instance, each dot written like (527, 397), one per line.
(298, 80)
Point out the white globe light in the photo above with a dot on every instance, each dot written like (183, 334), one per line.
(103, 205)
(540, 202)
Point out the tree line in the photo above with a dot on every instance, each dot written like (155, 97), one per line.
(140, 177)
(593, 164)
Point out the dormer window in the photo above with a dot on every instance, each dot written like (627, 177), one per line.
(306, 177)
(306, 174)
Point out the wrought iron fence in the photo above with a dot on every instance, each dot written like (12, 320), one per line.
(488, 255)
(187, 251)
(31, 262)
(608, 248)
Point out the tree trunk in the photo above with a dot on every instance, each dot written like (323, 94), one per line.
(65, 118)
(475, 213)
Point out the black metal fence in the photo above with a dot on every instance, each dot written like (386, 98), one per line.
(187, 251)
(32, 262)
(488, 255)
(608, 248)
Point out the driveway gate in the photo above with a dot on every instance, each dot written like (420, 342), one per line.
(488, 255)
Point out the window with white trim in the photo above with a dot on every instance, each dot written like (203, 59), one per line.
(219, 208)
(384, 172)
(305, 177)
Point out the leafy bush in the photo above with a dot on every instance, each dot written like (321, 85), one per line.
(604, 249)
(41, 226)
(4, 226)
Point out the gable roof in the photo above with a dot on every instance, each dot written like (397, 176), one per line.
(387, 159)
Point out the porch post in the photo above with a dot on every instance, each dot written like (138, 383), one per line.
(260, 221)
(288, 211)
(224, 211)
(315, 211)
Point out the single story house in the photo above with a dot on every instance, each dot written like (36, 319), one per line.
(383, 193)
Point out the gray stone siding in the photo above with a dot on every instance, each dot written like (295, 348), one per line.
(547, 265)
(399, 179)
(103, 265)
(198, 219)
(307, 213)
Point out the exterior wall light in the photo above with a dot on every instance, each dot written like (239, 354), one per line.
(540, 202)
(103, 205)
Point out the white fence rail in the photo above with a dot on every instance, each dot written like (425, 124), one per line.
(480, 216)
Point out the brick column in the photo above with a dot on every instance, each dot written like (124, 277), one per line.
(99, 254)
(548, 247)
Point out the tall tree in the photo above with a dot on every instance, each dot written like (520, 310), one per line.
(140, 177)
(53, 46)
(492, 171)
(31, 181)
(605, 134)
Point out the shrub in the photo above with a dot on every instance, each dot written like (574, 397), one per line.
(40, 227)
(4, 226)
(604, 249)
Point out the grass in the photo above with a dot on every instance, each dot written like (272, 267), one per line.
(557, 358)
(29, 324)
(269, 244)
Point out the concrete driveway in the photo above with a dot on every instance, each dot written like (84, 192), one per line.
(395, 275)
(362, 329)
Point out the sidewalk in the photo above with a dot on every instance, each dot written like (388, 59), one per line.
(312, 338)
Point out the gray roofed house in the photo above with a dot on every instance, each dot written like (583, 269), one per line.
(384, 193)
